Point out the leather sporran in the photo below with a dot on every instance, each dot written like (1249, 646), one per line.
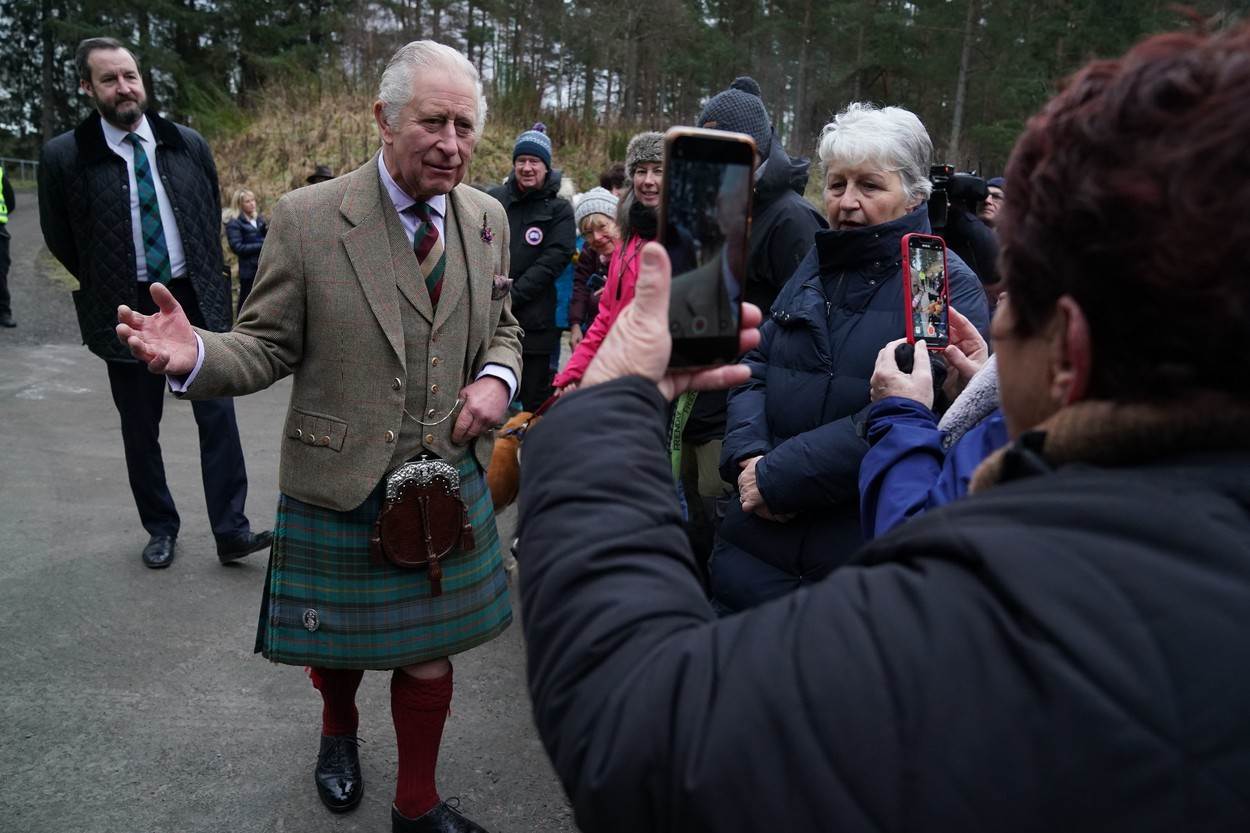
(423, 520)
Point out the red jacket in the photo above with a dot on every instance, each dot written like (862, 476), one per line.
(617, 293)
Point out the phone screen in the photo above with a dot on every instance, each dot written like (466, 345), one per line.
(707, 192)
(930, 319)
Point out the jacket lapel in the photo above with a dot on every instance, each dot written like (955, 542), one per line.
(369, 249)
(468, 260)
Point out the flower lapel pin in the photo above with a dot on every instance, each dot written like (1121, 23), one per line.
(488, 236)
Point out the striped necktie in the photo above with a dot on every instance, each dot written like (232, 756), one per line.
(155, 252)
(428, 246)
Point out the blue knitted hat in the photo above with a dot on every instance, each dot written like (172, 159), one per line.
(534, 142)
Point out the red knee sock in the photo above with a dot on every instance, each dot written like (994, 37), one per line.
(419, 709)
(338, 696)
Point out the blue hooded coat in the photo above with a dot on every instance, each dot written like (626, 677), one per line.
(804, 404)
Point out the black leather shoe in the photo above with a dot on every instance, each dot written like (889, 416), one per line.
(339, 782)
(444, 818)
(159, 552)
(237, 546)
(7, 321)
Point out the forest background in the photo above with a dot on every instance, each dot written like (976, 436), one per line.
(278, 86)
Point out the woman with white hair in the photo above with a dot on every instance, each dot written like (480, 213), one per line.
(793, 444)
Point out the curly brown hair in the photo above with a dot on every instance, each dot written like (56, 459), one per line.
(1130, 192)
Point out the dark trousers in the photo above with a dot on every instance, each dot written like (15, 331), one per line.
(245, 287)
(140, 396)
(5, 309)
(535, 383)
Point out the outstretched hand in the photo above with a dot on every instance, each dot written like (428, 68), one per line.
(639, 343)
(165, 341)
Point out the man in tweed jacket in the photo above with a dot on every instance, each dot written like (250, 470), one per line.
(398, 347)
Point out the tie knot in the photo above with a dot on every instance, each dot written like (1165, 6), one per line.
(134, 139)
(421, 210)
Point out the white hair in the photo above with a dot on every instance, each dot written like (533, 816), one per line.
(890, 137)
(395, 89)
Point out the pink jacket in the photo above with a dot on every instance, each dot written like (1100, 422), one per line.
(618, 291)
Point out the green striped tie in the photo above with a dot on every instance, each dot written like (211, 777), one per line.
(431, 255)
(155, 252)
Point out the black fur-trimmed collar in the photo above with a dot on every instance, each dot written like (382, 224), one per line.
(92, 147)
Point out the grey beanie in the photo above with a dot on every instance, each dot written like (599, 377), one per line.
(595, 201)
(645, 147)
(739, 109)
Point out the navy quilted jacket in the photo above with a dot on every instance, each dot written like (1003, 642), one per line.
(809, 381)
(84, 210)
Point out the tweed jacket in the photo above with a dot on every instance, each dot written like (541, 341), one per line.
(337, 283)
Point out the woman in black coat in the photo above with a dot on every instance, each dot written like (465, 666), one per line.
(246, 234)
(792, 443)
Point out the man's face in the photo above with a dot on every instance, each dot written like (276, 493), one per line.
(530, 172)
(428, 146)
(648, 177)
(988, 212)
(115, 87)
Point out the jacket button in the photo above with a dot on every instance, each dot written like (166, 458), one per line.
(430, 412)
(434, 388)
(323, 441)
(389, 436)
(396, 383)
(298, 434)
(309, 439)
(429, 439)
(434, 361)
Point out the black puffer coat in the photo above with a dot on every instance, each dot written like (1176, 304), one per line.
(809, 380)
(1065, 652)
(84, 210)
(543, 235)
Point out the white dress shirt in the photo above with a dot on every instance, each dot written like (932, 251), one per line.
(116, 138)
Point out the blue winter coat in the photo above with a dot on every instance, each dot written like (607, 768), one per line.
(809, 381)
(246, 241)
(907, 472)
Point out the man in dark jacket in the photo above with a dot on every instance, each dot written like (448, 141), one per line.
(127, 199)
(1063, 650)
(783, 226)
(543, 235)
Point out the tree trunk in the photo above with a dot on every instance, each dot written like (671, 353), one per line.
(798, 135)
(961, 84)
(47, 94)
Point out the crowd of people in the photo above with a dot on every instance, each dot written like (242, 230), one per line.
(996, 586)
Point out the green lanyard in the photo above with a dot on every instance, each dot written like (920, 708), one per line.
(681, 413)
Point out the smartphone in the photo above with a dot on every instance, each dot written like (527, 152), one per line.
(926, 290)
(705, 223)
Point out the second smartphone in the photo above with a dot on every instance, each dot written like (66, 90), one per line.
(926, 290)
(705, 224)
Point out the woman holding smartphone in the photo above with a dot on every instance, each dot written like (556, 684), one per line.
(638, 221)
(793, 445)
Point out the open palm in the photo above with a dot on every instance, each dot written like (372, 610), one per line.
(165, 342)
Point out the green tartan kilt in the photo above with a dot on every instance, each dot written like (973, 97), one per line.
(327, 604)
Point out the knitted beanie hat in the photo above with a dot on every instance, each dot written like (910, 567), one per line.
(595, 201)
(534, 142)
(739, 109)
(997, 182)
(644, 147)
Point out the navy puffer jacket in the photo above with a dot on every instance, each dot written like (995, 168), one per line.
(809, 382)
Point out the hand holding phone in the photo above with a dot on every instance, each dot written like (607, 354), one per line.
(705, 211)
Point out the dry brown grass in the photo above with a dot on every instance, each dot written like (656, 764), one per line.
(291, 133)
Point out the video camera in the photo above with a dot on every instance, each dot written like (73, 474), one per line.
(951, 189)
